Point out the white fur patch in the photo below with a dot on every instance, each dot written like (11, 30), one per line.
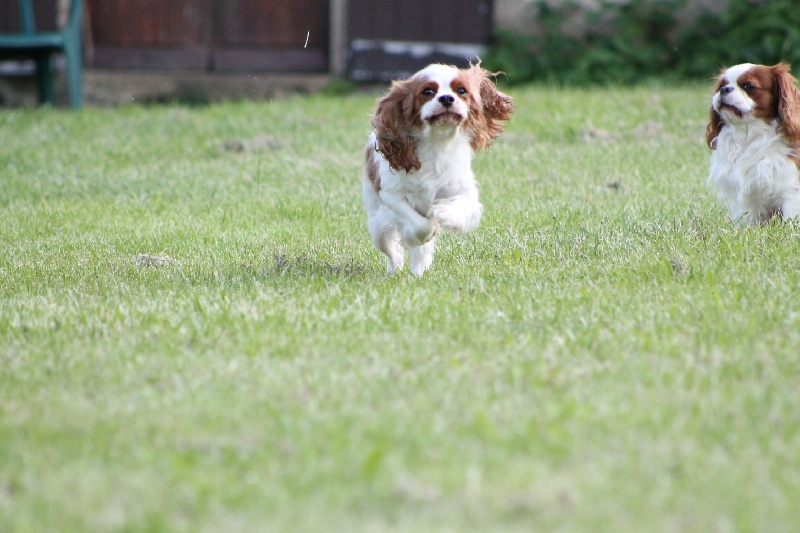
(753, 174)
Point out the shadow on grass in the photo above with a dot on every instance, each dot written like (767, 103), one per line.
(306, 265)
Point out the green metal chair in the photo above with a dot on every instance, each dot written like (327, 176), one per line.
(42, 46)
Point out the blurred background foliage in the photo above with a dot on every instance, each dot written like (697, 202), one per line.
(579, 42)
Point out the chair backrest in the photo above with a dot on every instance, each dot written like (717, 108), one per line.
(75, 16)
(26, 20)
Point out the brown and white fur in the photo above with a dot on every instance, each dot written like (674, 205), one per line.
(418, 175)
(754, 132)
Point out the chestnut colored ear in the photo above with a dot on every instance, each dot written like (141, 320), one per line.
(393, 123)
(788, 99)
(494, 107)
(713, 128)
(715, 121)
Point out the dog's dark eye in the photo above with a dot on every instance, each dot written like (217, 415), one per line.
(429, 92)
(461, 91)
(748, 87)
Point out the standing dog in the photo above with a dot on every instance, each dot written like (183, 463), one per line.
(754, 131)
(418, 174)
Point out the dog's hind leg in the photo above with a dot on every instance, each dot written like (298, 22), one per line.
(422, 257)
(386, 239)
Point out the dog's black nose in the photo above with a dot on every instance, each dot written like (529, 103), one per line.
(447, 100)
(725, 90)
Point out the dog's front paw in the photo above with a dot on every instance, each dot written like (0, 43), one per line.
(790, 210)
(420, 234)
(450, 216)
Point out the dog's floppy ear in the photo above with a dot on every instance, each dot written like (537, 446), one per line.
(713, 128)
(715, 121)
(494, 107)
(788, 102)
(393, 122)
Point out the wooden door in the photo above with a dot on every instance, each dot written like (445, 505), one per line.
(248, 35)
(150, 34)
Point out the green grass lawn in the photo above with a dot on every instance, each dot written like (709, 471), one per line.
(196, 334)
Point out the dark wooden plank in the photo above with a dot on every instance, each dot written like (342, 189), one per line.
(9, 17)
(382, 25)
(412, 20)
(276, 23)
(377, 61)
(270, 59)
(362, 18)
(150, 58)
(475, 24)
(149, 22)
(44, 13)
(443, 16)
(450, 21)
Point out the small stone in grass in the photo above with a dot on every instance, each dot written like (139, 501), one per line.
(616, 186)
(147, 260)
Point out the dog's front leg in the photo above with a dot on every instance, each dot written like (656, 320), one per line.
(790, 208)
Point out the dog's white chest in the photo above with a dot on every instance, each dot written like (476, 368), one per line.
(444, 173)
(751, 170)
